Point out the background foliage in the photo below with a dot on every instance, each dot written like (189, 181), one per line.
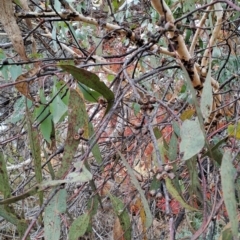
(119, 119)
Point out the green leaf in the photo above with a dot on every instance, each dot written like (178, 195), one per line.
(135, 182)
(52, 222)
(216, 151)
(155, 183)
(46, 128)
(79, 227)
(234, 130)
(14, 219)
(192, 138)
(93, 205)
(228, 172)
(157, 133)
(15, 71)
(110, 77)
(207, 96)
(92, 81)
(26, 194)
(200, 43)
(187, 114)
(136, 108)
(57, 107)
(63, 91)
(188, 35)
(95, 150)
(173, 148)
(66, 62)
(194, 184)
(176, 128)
(42, 112)
(72, 32)
(2, 54)
(9, 217)
(18, 112)
(117, 4)
(172, 155)
(77, 119)
(4, 70)
(89, 94)
(172, 190)
(17, 2)
(123, 216)
(83, 176)
(216, 53)
(5, 188)
(227, 234)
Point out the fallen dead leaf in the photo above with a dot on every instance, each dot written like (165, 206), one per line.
(11, 28)
(23, 87)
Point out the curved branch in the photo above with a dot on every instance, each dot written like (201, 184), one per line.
(213, 39)
(176, 40)
(199, 31)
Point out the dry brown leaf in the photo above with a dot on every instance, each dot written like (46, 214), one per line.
(23, 87)
(142, 214)
(11, 28)
(105, 187)
(117, 230)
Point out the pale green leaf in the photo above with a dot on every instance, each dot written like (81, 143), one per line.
(4, 70)
(52, 222)
(15, 71)
(192, 138)
(79, 176)
(227, 234)
(228, 172)
(123, 216)
(18, 112)
(173, 148)
(135, 182)
(136, 108)
(79, 227)
(82, 176)
(58, 109)
(57, 5)
(176, 128)
(216, 53)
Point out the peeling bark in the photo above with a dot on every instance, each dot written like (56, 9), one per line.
(177, 41)
(196, 73)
